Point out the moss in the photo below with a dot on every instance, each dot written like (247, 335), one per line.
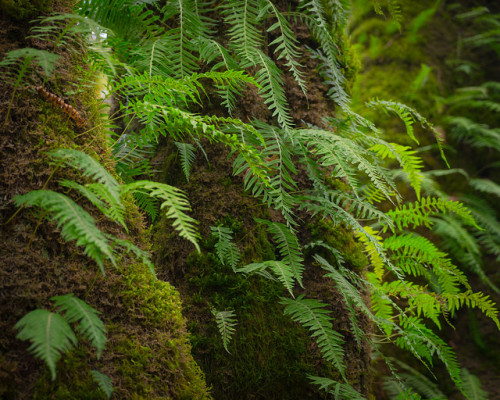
(24, 9)
(340, 238)
(163, 366)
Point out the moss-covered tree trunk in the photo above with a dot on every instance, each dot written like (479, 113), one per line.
(148, 354)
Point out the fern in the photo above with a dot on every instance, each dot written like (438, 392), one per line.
(89, 168)
(176, 203)
(288, 246)
(188, 156)
(226, 321)
(280, 269)
(226, 250)
(339, 390)
(472, 386)
(420, 212)
(89, 324)
(74, 221)
(105, 383)
(411, 164)
(50, 336)
(311, 314)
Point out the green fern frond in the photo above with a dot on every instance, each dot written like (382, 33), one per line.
(474, 300)
(312, 314)
(89, 325)
(340, 391)
(188, 156)
(411, 164)
(176, 203)
(476, 134)
(419, 213)
(288, 246)
(280, 269)
(245, 37)
(190, 26)
(96, 193)
(27, 55)
(104, 382)
(50, 336)
(74, 221)
(472, 386)
(89, 168)
(408, 115)
(226, 321)
(486, 186)
(286, 45)
(226, 250)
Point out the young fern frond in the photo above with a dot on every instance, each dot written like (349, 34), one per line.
(176, 203)
(187, 153)
(104, 382)
(89, 325)
(312, 314)
(50, 336)
(288, 246)
(411, 164)
(226, 321)
(225, 248)
(74, 221)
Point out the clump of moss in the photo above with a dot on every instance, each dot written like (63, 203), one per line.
(155, 361)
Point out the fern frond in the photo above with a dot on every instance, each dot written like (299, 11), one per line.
(49, 334)
(89, 167)
(280, 269)
(411, 164)
(104, 382)
(408, 115)
(190, 26)
(43, 58)
(312, 314)
(176, 203)
(226, 250)
(96, 193)
(477, 135)
(486, 186)
(226, 321)
(74, 221)
(286, 45)
(340, 391)
(288, 246)
(419, 213)
(89, 324)
(472, 386)
(375, 259)
(188, 156)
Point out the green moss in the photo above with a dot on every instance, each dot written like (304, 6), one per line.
(24, 9)
(162, 366)
(340, 238)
